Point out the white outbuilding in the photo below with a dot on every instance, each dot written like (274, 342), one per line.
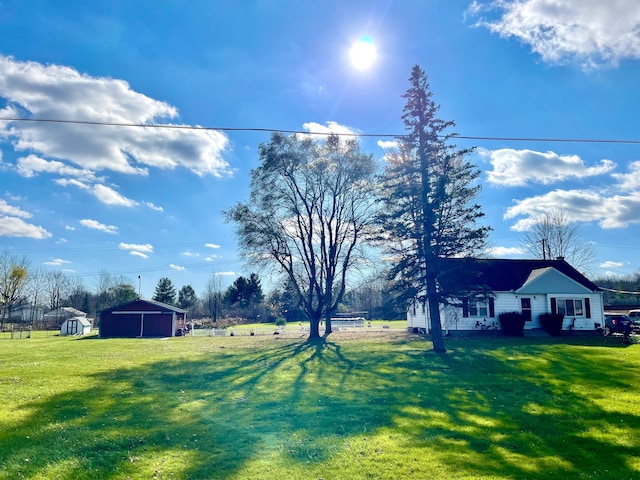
(75, 326)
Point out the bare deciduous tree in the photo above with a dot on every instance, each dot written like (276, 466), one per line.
(554, 235)
(213, 297)
(310, 208)
(14, 272)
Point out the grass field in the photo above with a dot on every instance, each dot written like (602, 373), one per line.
(375, 406)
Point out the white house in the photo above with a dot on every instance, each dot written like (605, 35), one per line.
(493, 286)
(75, 326)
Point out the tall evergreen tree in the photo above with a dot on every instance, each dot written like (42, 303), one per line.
(428, 211)
(165, 292)
(187, 297)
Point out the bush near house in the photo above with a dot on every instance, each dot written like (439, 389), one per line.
(552, 323)
(512, 323)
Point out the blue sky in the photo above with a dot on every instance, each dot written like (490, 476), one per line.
(147, 201)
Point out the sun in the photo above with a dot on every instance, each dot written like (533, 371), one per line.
(363, 53)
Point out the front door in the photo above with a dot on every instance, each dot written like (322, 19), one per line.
(525, 303)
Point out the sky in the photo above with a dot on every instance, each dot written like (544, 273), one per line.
(147, 202)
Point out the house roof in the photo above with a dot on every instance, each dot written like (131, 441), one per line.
(163, 306)
(65, 311)
(505, 275)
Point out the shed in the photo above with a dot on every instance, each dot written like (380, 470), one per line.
(75, 326)
(142, 318)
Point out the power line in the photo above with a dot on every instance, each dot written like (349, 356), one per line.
(303, 132)
(618, 291)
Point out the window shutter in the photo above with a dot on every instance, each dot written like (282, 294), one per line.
(587, 307)
(492, 307)
(554, 308)
(465, 307)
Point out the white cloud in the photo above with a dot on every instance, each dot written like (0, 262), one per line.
(318, 130)
(104, 194)
(616, 211)
(501, 252)
(32, 165)
(176, 267)
(95, 225)
(69, 227)
(211, 245)
(629, 181)
(61, 92)
(225, 274)
(13, 225)
(145, 247)
(135, 253)
(519, 167)
(189, 254)
(65, 182)
(16, 227)
(154, 207)
(589, 32)
(387, 144)
(611, 264)
(56, 262)
(7, 209)
(109, 196)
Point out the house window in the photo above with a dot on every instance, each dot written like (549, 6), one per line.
(570, 307)
(478, 308)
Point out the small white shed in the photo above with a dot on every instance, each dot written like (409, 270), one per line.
(75, 326)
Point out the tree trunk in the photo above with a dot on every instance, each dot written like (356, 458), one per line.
(434, 315)
(314, 328)
(327, 324)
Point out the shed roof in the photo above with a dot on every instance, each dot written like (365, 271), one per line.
(504, 275)
(81, 320)
(136, 303)
(62, 311)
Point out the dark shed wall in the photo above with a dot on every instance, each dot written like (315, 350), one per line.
(158, 325)
(112, 325)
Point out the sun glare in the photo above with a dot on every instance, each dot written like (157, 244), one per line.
(363, 53)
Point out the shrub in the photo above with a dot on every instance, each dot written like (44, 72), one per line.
(281, 321)
(512, 323)
(552, 323)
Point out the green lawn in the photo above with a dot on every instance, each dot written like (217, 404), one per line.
(376, 406)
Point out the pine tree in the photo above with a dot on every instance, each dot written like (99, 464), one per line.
(165, 292)
(428, 213)
(187, 297)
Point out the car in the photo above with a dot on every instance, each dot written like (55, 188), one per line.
(634, 315)
(617, 323)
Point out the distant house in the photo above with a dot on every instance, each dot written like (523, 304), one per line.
(142, 318)
(62, 313)
(26, 314)
(75, 326)
(532, 287)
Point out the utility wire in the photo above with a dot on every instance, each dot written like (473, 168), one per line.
(618, 291)
(303, 132)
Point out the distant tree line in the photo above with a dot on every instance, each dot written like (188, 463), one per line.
(26, 292)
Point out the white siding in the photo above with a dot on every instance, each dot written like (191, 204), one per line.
(453, 319)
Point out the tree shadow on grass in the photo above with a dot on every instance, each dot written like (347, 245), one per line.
(479, 411)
